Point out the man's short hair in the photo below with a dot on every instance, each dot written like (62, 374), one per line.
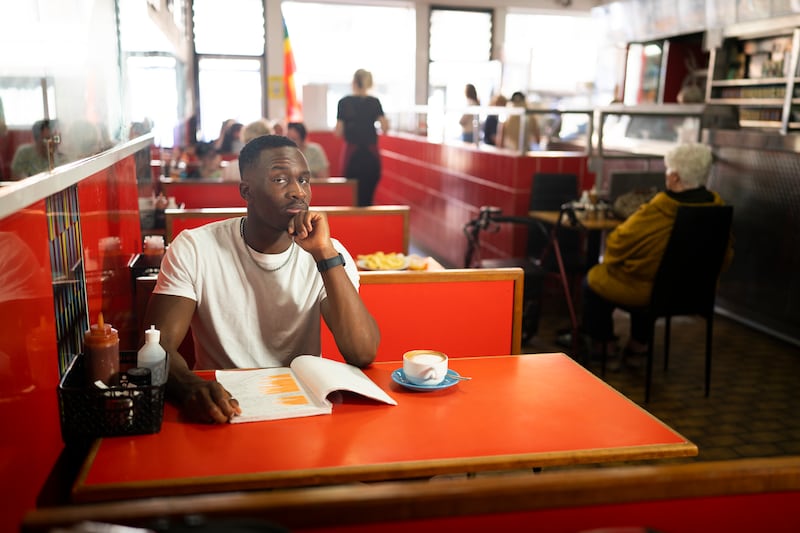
(249, 155)
(203, 149)
(300, 128)
(692, 162)
(38, 126)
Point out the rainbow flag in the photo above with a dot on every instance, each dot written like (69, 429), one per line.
(294, 110)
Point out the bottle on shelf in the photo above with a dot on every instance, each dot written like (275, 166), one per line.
(101, 352)
(151, 355)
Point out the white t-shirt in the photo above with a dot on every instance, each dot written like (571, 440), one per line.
(246, 317)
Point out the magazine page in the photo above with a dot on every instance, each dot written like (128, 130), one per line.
(270, 394)
(324, 376)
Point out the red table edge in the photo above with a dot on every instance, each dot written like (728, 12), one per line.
(82, 493)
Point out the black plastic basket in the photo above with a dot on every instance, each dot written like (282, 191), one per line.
(88, 412)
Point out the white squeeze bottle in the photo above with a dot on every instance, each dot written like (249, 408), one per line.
(153, 356)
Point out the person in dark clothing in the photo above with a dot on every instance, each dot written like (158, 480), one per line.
(355, 121)
(492, 121)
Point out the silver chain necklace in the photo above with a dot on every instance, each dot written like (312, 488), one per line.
(253, 259)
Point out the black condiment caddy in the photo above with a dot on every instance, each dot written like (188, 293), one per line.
(88, 412)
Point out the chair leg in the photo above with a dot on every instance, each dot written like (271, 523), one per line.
(667, 321)
(709, 329)
(649, 364)
(603, 358)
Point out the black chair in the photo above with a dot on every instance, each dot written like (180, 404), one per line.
(548, 193)
(687, 277)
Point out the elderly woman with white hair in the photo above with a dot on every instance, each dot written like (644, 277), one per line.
(634, 249)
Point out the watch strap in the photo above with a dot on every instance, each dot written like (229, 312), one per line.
(327, 264)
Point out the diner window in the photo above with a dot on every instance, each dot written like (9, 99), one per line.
(229, 88)
(232, 27)
(152, 73)
(151, 96)
(22, 100)
(536, 48)
(229, 42)
(460, 52)
(331, 41)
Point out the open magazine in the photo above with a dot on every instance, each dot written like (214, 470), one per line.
(302, 389)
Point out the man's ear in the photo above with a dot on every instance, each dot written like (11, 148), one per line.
(244, 190)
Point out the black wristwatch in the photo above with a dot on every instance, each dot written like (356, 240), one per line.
(327, 264)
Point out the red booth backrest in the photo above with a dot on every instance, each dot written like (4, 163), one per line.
(362, 230)
(194, 194)
(461, 312)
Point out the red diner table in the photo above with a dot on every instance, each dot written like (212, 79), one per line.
(517, 411)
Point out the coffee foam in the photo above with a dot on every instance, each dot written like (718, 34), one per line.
(426, 358)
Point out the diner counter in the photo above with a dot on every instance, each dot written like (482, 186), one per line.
(446, 184)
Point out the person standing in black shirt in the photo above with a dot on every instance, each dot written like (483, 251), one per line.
(355, 121)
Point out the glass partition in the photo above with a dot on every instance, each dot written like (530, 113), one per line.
(560, 129)
(58, 61)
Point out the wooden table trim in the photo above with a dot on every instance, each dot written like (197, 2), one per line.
(603, 223)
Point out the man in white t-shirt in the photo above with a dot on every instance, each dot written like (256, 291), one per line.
(253, 288)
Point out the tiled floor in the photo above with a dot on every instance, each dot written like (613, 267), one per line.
(754, 406)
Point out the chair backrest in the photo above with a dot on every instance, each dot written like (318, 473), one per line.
(462, 312)
(686, 281)
(548, 193)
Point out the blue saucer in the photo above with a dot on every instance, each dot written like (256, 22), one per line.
(450, 379)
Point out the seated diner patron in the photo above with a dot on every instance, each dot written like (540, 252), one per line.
(251, 131)
(208, 162)
(253, 288)
(634, 249)
(35, 157)
(315, 154)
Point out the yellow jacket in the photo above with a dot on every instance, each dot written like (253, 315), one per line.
(634, 249)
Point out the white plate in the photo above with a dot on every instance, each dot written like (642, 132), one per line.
(362, 264)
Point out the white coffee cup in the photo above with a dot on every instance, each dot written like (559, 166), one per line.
(425, 367)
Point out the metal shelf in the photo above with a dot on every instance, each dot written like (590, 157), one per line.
(760, 123)
(747, 82)
(759, 102)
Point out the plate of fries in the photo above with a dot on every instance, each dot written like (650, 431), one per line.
(383, 261)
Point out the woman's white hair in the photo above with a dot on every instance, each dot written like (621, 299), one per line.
(692, 162)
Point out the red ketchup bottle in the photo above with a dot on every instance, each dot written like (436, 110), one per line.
(101, 351)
